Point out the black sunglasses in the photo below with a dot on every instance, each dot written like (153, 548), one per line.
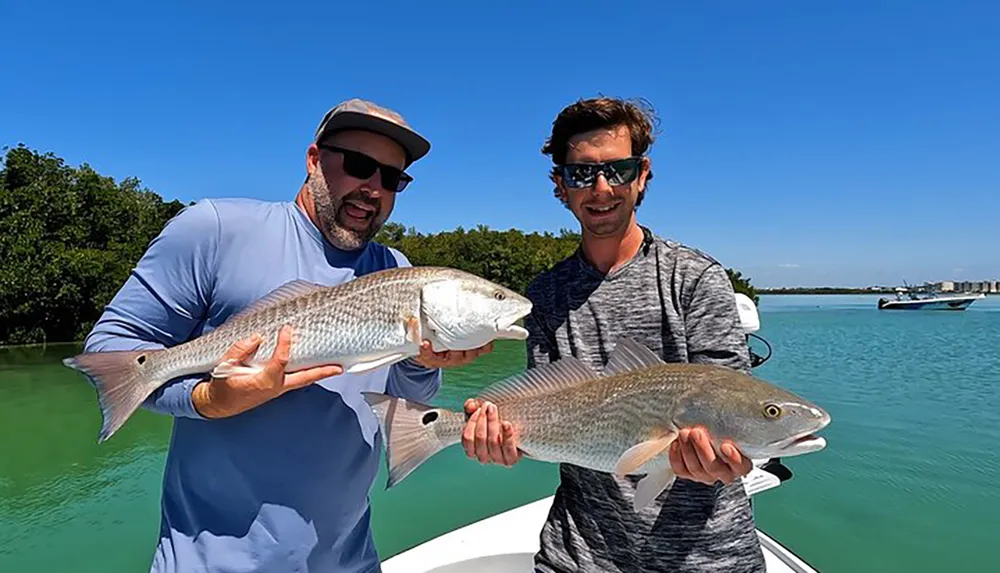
(617, 172)
(361, 166)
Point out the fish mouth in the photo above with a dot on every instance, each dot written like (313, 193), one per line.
(507, 330)
(805, 442)
(505, 327)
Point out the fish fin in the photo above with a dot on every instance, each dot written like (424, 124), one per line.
(633, 458)
(413, 330)
(122, 381)
(367, 365)
(439, 298)
(630, 355)
(651, 486)
(409, 430)
(231, 368)
(287, 291)
(543, 379)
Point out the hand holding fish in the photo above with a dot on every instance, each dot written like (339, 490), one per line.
(449, 358)
(692, 457)
(224, 397)
(486, 437)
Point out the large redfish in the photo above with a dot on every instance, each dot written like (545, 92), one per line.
(371, 321)
(620, 420)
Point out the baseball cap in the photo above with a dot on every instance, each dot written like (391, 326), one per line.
(361, 114)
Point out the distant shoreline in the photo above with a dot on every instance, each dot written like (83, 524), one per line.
(834, 290)
(41, 345)
(823, 290)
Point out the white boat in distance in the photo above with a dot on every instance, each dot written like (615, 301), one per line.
(507, 542)
(915, 301)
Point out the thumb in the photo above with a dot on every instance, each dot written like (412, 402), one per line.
(471, 405)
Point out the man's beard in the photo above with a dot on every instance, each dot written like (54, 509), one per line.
(330, 214)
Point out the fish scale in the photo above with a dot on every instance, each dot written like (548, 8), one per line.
(548, 431)
(368, 322)
(319, 335)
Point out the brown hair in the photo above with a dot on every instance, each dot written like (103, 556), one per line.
(602, 113)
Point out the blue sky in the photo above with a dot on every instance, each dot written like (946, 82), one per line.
(806, 143)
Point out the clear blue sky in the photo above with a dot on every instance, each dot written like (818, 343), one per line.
(806, 143)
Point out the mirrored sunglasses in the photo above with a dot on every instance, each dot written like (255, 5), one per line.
(617, 172)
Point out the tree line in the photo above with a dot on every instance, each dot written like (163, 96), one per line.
(69, 237)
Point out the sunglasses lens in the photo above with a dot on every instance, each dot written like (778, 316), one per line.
(622, 172)
(577, 176)
(400, 182)
(390, 179)
(618, 172)
(358, 165)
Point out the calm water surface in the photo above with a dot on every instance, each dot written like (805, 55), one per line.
(908, 482)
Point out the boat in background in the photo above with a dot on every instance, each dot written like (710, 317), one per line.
(908, 300)
(507, 542)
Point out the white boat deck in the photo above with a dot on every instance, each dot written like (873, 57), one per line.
(507, 542)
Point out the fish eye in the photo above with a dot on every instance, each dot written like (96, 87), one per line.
(772, 411)
(499, 295)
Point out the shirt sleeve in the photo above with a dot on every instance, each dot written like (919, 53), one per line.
(712, 322)
(408, 378)
(164, 300)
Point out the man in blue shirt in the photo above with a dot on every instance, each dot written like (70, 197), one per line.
(259, 477)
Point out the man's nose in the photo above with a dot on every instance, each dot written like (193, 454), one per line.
(601, 184)
(372, 188)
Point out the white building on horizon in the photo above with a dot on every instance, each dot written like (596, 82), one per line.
(964, 286)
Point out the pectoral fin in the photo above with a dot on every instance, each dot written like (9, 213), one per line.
(233, 368)
(367, 365)
(413, 330)
(639, 454)
(651, 486)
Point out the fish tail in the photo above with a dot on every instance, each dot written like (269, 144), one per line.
(413, 432)
(122, 381)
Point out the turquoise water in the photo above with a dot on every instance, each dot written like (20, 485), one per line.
(907, 483)
(909, 480)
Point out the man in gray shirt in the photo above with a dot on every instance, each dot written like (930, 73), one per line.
(626, 280)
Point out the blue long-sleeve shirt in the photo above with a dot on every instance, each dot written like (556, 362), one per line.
(284, 486)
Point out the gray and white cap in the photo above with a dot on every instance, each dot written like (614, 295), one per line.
(361, 114)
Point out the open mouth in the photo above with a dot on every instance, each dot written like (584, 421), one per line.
(358, 210)
(805, 443)
(601, 210)
(510, 331)
(807, 440)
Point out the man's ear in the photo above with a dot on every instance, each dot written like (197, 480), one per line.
(312, 158)
(560, 189)
(647, 166)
